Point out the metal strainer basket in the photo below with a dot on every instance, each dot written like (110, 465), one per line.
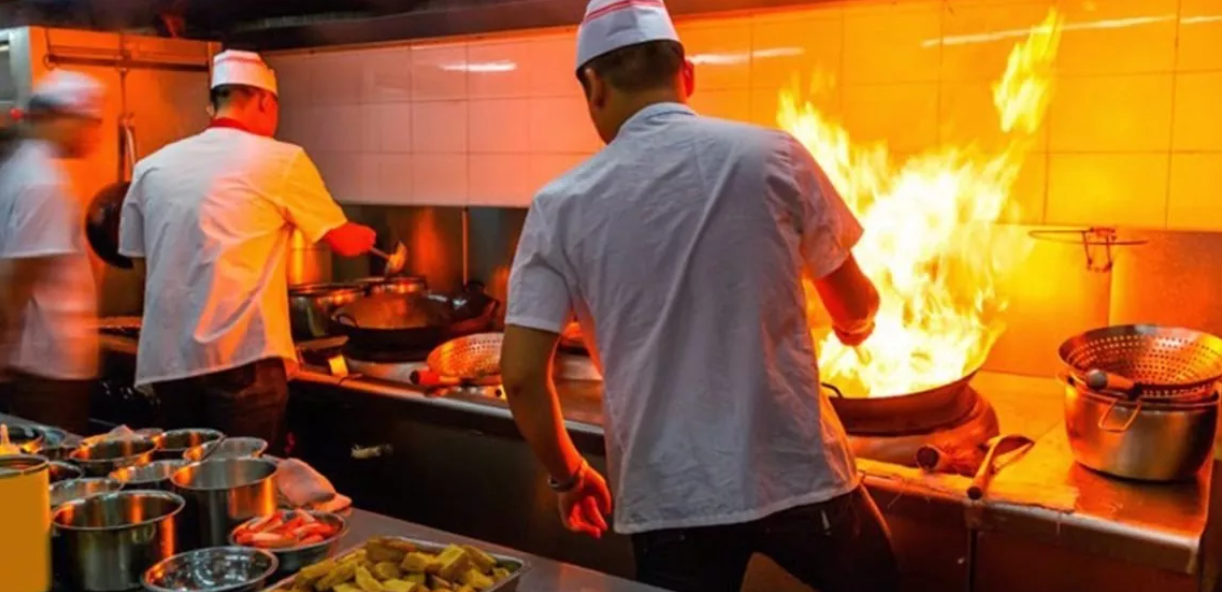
(468, 358)
(1164, 362)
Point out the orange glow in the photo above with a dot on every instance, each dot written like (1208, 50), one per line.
(931, 245)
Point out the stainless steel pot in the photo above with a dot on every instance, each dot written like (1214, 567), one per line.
(155, 475)
(222, 494)
(62, 471)
(104, 542)
(102, 458)
(1142, 439)
(310, 307)
(172, 444)
(67, 491)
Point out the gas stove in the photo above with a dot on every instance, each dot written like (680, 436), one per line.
(965, 440)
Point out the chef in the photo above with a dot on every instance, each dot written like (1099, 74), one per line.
(212, 215)
(48, 300)
(680, 247)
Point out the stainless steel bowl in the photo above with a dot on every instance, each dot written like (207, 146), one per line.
(100, 459)
(222, 494)
(229, 448)
(105, 542)
(155, 475)
(215, 569)
(1148, 441)
(27, 438)
(311, 306)
(56, 453)
(62, 471)
(294, 558)
(172, 444)
(77, 489)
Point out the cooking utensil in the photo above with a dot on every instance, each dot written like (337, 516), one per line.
(67, 491)
(294, 558)
(1149, 440)
(61, 471)
(1011, 446)
(1146, 360)
(27, 439)
(104, 542)
(393, 323)
(221, 494)
(172, 444)
(409, 284)
(217, 569)
(227, 448)
(102, 219)
(906, 413)
(107, 456)
(155, 475)
(311, 306)
(25, 563)
(469, 358)
(395, 260)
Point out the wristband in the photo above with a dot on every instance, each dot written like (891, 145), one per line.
(571, 482)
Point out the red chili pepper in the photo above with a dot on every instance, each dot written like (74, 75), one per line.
(310, 540)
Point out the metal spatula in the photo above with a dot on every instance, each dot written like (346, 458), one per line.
(395, 260)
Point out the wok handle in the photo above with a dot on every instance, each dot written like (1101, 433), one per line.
(834, 389)
(351, 321)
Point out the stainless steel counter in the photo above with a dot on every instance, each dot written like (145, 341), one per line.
(545, 575)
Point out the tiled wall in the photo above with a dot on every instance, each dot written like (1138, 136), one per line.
(1132, 138)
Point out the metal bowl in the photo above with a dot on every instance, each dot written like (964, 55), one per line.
(155, 475)
(27, 438)
(215, 569)
(105, 542)
(292, 559)
(107, 456)
(55, 453)
(172, 444)
(62, 471)
(67, 491)
(229, 448)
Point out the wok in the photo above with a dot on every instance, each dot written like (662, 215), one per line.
(906, 413)
(102, 219)
(391, 323)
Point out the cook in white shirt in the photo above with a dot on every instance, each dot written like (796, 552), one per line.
(48, 300)
(212, 215)
(680, 248)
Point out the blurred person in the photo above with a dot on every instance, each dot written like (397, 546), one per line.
(211, 217)
(48, 298)
(681, 249)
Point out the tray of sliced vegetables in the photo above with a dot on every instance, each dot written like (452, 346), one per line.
(397, 564)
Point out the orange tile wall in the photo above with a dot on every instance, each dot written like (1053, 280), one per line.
(1133, 137)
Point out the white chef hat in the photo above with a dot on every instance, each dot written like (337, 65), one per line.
(246, 68)
(612, 24)
(69, 92)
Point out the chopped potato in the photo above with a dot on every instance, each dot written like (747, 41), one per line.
(437, 583)
(342, 573)
(394, 585)
(367, 582)
(397, 544)
(378, 552)
(453, 562)
(465, 588)
(501, 574)
(482, 560)
(476, 579)
(416, 562)
(313, 573)
(386, 570)
(355, 556)
(345, 588)
(418, 579)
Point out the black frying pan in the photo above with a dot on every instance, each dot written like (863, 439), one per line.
(102, 219)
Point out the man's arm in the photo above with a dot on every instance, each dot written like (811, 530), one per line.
(526, 359)
(309, 206)
(851, 300)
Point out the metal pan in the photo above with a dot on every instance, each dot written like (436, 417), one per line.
(908, 413)
(516, 565)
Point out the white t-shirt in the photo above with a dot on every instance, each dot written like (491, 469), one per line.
(39, 218)
(212, 216)
(680, 248)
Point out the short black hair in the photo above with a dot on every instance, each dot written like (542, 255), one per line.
(635, 68)
(224, 94)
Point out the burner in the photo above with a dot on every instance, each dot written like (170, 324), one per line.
(963, 439)
(353, 351)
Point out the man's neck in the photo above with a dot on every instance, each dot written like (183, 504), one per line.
(638, 102)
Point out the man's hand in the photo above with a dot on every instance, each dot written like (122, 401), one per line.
(351, 239)
(584, 509)
(855, 336)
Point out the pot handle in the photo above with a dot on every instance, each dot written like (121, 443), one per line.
(1124, 428)
(833, 388)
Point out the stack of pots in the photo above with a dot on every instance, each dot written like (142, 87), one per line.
(1141, 400)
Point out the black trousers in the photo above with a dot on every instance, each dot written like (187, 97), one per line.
(52, 402)
(247, 401)
(841, 545)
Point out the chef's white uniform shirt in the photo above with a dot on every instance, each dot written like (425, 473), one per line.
(680, 248)
(212, 216)
(40, 218)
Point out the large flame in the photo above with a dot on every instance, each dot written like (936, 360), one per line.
(931, 245)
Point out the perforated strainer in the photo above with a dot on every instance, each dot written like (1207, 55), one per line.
(468, 358)
(1163, 362)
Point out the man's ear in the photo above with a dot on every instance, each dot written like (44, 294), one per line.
(689, 78)
(598, 89)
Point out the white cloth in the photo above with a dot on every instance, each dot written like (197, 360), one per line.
(246, 68)
(39, 218)
(612, 24)
(71, 92)
(680, 248)
(212, 216)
